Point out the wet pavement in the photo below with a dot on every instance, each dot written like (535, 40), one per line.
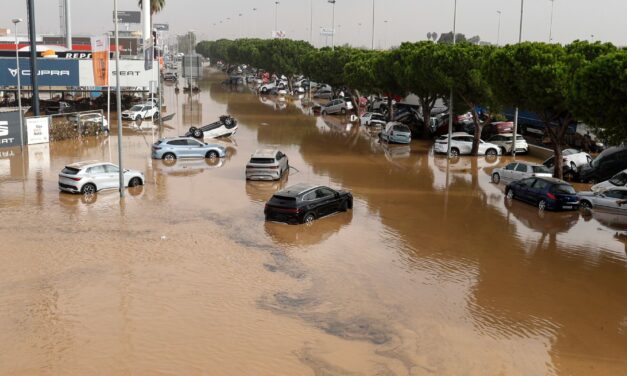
(433, 272)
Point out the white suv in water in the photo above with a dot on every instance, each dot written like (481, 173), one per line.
(92, 176)
(267, 164)
(462, 145)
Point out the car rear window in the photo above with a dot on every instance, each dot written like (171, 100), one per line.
(401, 128)
(541, 170)
(262, 160)
(71, 171)
(563, 189)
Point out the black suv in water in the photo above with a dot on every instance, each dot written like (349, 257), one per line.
(607, 164)
(303, 203)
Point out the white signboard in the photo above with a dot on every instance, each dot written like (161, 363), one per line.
(326, 32)
(132, 73)
(38, 130)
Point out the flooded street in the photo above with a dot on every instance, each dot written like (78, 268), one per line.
(432, 272)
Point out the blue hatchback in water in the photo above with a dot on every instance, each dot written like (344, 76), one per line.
(546, 193)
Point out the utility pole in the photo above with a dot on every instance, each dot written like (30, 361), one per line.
(450, 110)
(68, 26)
(118, 98)
(522, 8)
(551, 24)
(498, 33)
(32, 35)
(19, 84)
(372, 25)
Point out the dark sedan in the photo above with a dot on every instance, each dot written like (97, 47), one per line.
(303, 203)
(546, 193)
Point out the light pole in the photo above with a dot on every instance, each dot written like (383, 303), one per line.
(372, 25)
(19, 84)
(332, 24)
(118, 98)
(551, 24)
(191, 75)
(385, 40)
(276, 16)
(498, 33)
(522, 8)
(450, 110)
(311, 22)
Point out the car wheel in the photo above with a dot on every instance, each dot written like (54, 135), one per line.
(324, 113)
(503, 151)
(156, 115)
(496, 178)
(491, 153)
(585, 204)
(343, 111)
(264, 90)
(212, 154)
(573, 166)
(510, 194)
(569, 175)
(88, 189)
(344, 206)
(309, 218)
(138, 118)
(135, 182)
(454, 152)
(198, 133)
(169, 157)
(542, 205)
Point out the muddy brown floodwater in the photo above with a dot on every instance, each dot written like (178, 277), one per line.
(433, 272)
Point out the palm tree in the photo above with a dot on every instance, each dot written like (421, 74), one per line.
(156, 6)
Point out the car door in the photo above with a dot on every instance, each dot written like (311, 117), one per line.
(521, 171)
(97, 175)
(112, 174)
(178, 147)
(537, 191)
(466, 144)
(326, 202)
(194, 148)
(524, 192)
(509, 172)
(609, 199)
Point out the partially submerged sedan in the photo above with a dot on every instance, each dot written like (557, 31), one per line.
(545, 193)
(304, 203)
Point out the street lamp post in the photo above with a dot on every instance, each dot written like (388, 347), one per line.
(276, 16)
(385, 40)
(19, 84)
(498, 32)
(118, 98)
(450, 110)
(372, 25)
(311, 22)
(522, 8)
(332, 2)
(551, 24)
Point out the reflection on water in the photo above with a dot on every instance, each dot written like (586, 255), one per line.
(433, 271)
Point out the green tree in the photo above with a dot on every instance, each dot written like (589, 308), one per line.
(599, 95)
(156, 6)
(536, 77)
(419, 71)
(284, 56)
(464, 66)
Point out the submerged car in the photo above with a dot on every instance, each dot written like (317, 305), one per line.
(185, 147)
(520, 170)
(618, 180)
(545, 193)
(504, 141)
(373, 119)
(462, 145)
(92, 176)
(613, 198)
(304, 203)
(336, 106)
(267, 164)
(610, 162)
(396, 132)
(571, 158)
(140, 111)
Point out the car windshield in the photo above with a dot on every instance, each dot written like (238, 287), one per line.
(540, 170)
(137, 108)
(569, 152)
(619, 180)
(563, 189)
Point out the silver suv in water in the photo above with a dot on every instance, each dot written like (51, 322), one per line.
(267, 164)
(185, 147)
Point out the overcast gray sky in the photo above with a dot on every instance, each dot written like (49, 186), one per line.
(407, 19)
